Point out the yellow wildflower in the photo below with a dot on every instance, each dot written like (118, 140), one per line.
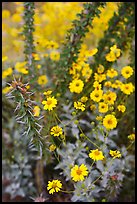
(79, 105)
(54, 186)
(108, 84)
(54, 55)
(103, 107)
(127, 72)
(92, 52)
(4, 58)
(6, 89)
(50, 103)
(6, 72)
(121, 108)
(127, 88)
(109, 97)
(92, 107)
(84, 99)
(79, 172)
(47, 93)
(99, 77)
(56, 131)
(96, 95)
(110, 122)
(52, 148)
(115, 50)
(100, 69)
(110, 57)
(76, 86)
(96, 155)
(131, 136)
(99, 118)
(42, 80)
(86, 72)
(36, 111)
(20, 67)
(112, 73)
(115, 154)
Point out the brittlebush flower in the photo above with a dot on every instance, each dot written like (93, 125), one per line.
(127, 88)
(76, 86)
(112, 73)
(103, 107)
(79, 172)
(121, 108)
(54, 55)
(52, 147)
(56, 131)
(54, 186)
(47, 93)
(110, 122)
(6, 89)
(79, 105)
(131, 137)
(6, 72)
(84, 99)
(50, 103)
(96, 95)
(115, 154)
(36, 111)
(100, 69)
(115, 50)
(126, 72)
(113, 54)
(96, 155)
(42, 80)
(109, 97)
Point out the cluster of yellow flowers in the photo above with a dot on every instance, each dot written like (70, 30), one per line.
(102, 99)
(78, 173)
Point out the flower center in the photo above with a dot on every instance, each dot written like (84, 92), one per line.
(79, 171)
(109, 122)
(77, 84)
(96, 95)
(97, 153)
(49, 102)
(54, 185)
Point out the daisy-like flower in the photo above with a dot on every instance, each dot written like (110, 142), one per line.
(50, 103)
(78, 172)
(131, 137)
(127, 88)
(84, 99)
(127, 72)
(42, 80)
(96, 155)
(54, 186)
(52, 148)
(112, 73)
(110, 57)
(76, 86)
(115, 154)
(92, 52)
(96, 95)
(109, 97)
(103, 107)
(121, 108)
(56, 131)
(110, 122)
(100, 69)
(47, 93)
(36, 111)
(115, 50)
(79, 105)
